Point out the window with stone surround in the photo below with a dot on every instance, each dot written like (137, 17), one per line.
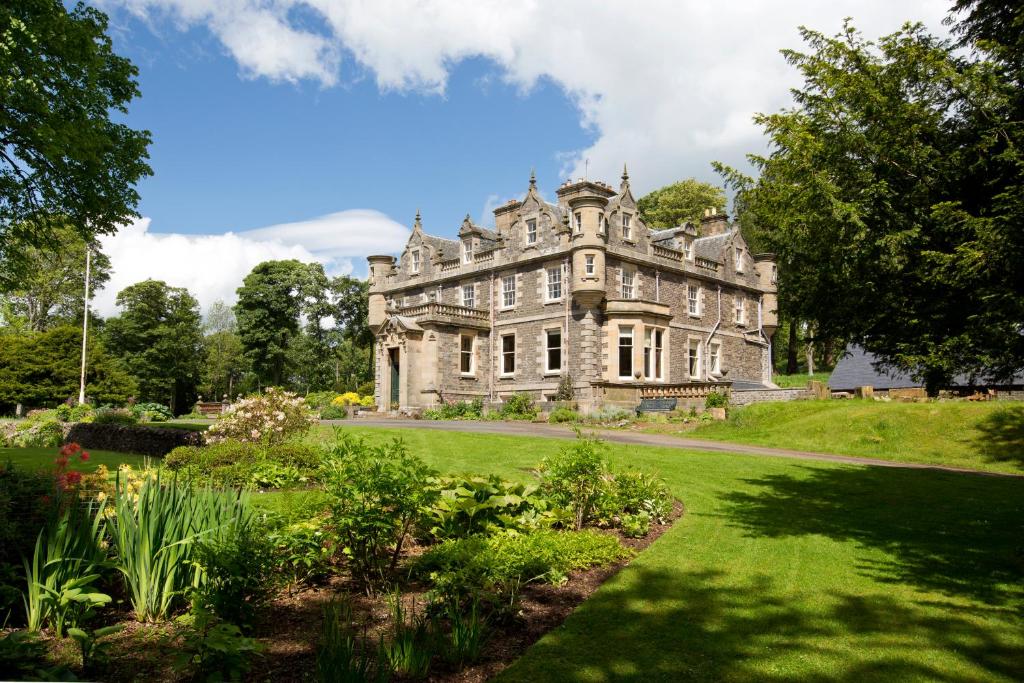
(628, 280)
(589, 264)
(625, 352)
(508, 354)
(741, 309)
(688, 249)
(627, 227)
(531, 231)
(469, 296)
(693, 358)
(467, 364)
(553, 351)
(415, 260)
(578, 219)
(554, 289)
(508, 291)
(715, 358)
(738, 253)
(467, 251)
(693, 299)
(654, 358)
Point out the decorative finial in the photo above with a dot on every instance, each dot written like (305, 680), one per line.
(533, 178)
(625, 174)
(417, 224)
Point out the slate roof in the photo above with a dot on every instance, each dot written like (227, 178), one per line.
(857, 369)
(713, 247)
(445, 248)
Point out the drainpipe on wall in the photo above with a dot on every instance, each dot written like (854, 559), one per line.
(766, 365)
(707, 342)
(490, 340)
(566, 289)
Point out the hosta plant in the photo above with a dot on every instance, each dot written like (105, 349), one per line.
(268, 418)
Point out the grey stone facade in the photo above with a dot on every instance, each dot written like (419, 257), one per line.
(580, 287)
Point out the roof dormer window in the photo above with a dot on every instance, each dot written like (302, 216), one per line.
(688, 249)
(531, 231)
(627, 228)
(738, 252)
(415, 260)
(467, 251)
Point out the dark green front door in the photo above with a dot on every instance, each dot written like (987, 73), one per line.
(393, 353)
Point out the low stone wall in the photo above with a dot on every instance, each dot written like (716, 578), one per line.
(746, 397)
(138, 439)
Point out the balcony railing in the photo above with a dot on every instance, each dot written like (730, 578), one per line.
(690, 390)
(667, 252)
(433, 309)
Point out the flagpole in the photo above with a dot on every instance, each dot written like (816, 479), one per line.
(85, 324)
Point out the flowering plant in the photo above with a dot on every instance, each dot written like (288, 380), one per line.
(268, 418)
(349, 398)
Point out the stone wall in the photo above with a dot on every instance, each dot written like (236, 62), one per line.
(744, 398)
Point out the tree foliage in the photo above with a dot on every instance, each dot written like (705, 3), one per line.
(41, 370)
(62, 153)
(159, 336)
(892, 196)
(678, 203)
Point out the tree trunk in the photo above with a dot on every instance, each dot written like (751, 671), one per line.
(791, 365)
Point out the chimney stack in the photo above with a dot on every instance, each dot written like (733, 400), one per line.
(714, 222)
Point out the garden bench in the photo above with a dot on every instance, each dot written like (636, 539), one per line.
(657, 405)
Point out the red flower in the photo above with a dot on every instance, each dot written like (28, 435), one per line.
(84, 456)
(61, 461)
(73, 478)
(70, 449)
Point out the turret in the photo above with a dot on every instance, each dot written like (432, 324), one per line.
(766, 268)
(586, 201)
(380, 268)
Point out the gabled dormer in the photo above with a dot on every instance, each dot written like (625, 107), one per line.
(622, 217)
(530, 223)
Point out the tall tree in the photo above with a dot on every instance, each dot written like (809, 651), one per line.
(50, 291)
(63, 158)
(41, 370)
(272, 301)
(159, 336)
(869, 198)
(678, 203)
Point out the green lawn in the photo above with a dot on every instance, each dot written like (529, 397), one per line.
(786, 570)
(800, 379)
(984, 435)
(42, 458)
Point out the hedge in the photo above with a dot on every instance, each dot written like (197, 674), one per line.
(140, 439)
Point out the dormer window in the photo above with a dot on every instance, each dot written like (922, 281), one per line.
(415, 260)
(627, 228)
(578, 218)
(531, 231)
(467, 251)
(739, 259)
(688, 249)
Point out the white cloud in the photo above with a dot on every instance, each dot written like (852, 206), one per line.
(212, 267)
(667, 85)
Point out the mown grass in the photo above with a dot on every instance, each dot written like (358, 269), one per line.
(800, 379)
(43, 458)
(784, 570)
(984, 435)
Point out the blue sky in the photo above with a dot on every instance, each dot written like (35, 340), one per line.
(314, 129)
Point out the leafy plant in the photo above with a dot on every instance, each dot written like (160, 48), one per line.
(565, 392)
(272, 417)
(75, 412)
(470, 505)
(236, 463)
(23, 658)
(155, 533)
(216, 650)
(563, 414)
(411, 648)
(636, 526)
(239, 576)
(151, 412)
(376, 493)
(92, 645)
(577, 478)
(302, 552)
(518, 407)
(467, 633)
(114, 416)
(341, 657)
(640, 493)
(716, 399)
(456, 410)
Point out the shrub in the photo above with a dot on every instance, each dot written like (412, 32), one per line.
(302, 551)
(239, 573)
(638, 493)
(565, 392)
(577, 478)
(75, 412)
(268, 418)
(349, 398)
(501, 564)
(519, 407)
(716, 400)
(560, 415)
(40, 431)
(636, 526)
(376, 494)
(114, 416)
(367, 388)
(236, 463)
(456, 410)
(140, 439)
(151, 412)
(333, 412)
(470, 505)
(609, 414)
(155, 532)
(215, 650)
(319, 399)
(368, 401)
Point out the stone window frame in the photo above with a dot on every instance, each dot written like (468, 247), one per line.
(514, 278)
(738, 258)
(531, 231)
(415, 262)
(627, 227)
(471, 287)
(658, 353)
(471, 354)
(545, 337)
(739, 309)
(715, 358)
(619, 336)
(467, 251)
(590, 265)
(548, 271)
(694, 302)
(693, 343)
(688, 249)
(502, 336)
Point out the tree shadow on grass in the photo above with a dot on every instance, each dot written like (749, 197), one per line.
(674, 626)
(961, 535)
(1002, 435)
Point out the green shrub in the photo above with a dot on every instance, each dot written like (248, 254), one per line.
(215, 650)
(341, 658)
(75, 412)
(270, 418)
(563, 414)
(456, 410)
(577, 479)
(501, 564)
(318, 400)
(411, 646)
(640, 493)
(376, 494)
(470, 505)
(609, 414)
(716, 400)
(367, 388)
(302, 551)
(42, 431)
(333, 412)
(239, 573)
(114, 416)
(565, 392)
(636, 526)
(151, 412)
(518, 407)
(234, 463)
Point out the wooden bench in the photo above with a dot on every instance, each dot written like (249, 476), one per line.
(210, 408)
(657, 405)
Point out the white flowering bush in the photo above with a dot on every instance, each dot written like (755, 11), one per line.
(268, 418)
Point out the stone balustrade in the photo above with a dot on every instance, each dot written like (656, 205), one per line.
(667, 252)
(690, 390)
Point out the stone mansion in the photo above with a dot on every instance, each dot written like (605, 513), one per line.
(580, 289)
